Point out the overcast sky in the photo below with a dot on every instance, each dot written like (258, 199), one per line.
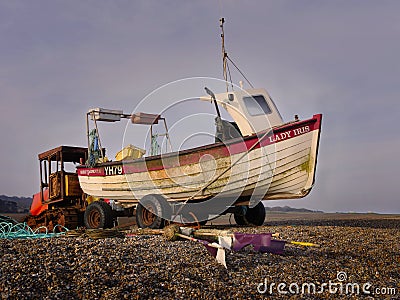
(339, 58)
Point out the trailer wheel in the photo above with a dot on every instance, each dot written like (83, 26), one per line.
(190, 218)
(152, 211)
(244, 215)
(98, 215)
(239, 214)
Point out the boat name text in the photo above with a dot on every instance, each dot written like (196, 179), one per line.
(288, 134)
(90, 172)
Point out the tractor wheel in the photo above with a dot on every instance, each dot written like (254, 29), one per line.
(152, 211)
(250, 216)
(98, 215)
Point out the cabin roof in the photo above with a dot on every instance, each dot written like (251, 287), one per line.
(67, 153)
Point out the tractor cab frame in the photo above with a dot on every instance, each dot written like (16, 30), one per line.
(58, 183)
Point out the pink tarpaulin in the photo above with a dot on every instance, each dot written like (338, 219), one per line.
(276, 247)
(261, 242)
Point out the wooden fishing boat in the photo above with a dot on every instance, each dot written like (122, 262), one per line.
(275, 163)
(256, 157)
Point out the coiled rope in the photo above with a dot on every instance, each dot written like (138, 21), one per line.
(11, 229)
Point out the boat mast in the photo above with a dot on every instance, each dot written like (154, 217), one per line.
(224, 54)
(225, 59)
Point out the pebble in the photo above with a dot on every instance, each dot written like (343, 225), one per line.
(149, 267)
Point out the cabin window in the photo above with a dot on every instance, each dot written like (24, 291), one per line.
(257, 105)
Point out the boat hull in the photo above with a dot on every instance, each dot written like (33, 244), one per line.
(278, 164)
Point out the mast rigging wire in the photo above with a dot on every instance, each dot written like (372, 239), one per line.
(241, 73)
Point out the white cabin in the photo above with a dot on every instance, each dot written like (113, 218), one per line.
(253, 110)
